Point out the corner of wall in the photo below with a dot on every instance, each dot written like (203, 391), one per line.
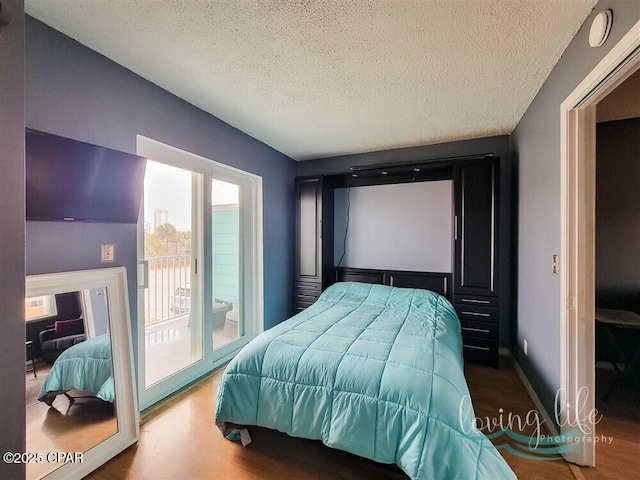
(12, 222)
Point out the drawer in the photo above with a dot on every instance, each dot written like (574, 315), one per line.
(483, 352)
(476, 300)
(301, 305)
(477, 313)
(306, 294)
(308, 289)
(312, 286)
(475, 329)
(306, 297)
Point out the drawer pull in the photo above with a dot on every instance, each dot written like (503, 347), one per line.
(482, 330)
(477, 348)
(477, 314)
(469, 300)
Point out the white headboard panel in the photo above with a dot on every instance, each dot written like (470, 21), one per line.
(405, 226)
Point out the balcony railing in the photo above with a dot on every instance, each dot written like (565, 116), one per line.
(168, 294)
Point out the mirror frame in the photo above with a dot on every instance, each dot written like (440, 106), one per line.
(126, 402)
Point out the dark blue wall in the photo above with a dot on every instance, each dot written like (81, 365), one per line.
(77, 93)
(499, 146)
(12, 353)
(536, 155)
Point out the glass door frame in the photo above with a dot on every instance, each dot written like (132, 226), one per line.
(251, 267)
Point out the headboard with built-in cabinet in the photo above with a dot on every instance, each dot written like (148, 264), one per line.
(436, 282)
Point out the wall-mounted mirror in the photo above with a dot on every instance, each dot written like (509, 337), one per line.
(82, 404)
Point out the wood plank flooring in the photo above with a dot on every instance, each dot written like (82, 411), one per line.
(621, 421)
(180, 441)
(492, 390)
(62, 427)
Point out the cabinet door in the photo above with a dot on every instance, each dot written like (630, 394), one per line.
(476, 208)
(309, 221)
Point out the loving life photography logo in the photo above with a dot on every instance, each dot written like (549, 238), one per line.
(524, 435)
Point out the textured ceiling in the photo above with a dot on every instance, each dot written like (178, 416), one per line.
(323, 78)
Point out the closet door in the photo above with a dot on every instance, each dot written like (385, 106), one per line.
(314, 240)
(476, 217)
(309, 224)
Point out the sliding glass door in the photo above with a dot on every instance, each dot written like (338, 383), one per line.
(200, 267)
(172, 317)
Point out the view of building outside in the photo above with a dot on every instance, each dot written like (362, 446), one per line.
(167, 246)
(173, 334)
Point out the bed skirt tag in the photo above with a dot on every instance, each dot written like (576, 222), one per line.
(235, 433)
(245, 438)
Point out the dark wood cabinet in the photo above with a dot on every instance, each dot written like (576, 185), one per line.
(475, 272)
(472, 285)
(314, 239)
(475, 227)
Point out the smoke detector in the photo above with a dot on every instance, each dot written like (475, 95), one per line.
(600, 28)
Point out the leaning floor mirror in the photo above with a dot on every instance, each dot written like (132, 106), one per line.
(82, 404)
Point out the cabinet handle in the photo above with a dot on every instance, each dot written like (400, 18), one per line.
(470, 300)
(455, 227)
(476, 348)
(482, 330)
(476, 314)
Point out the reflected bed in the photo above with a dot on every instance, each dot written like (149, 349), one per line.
(84, 367)
(370, 369)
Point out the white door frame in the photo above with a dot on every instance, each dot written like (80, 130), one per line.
(578, 177)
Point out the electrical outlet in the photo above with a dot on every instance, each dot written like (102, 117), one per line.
(555, 264)
(525, 347)
(107, 253)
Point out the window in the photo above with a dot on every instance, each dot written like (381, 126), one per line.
(40, 307)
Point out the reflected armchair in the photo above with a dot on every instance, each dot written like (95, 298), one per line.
(64, 334)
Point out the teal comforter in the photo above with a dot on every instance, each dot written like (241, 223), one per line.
(84, 367)
(369, 369)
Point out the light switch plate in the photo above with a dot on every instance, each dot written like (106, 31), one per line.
(107, 253)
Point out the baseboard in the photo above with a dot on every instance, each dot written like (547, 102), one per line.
(551, 425)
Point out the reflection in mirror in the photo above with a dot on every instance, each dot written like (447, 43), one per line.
(80, 392)
(70, 404)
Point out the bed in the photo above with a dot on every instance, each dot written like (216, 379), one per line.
(84, 367)
(373, 370)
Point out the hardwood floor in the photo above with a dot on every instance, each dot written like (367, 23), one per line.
(180, 441)
(492, 390)
(621, 423)
(62, 428)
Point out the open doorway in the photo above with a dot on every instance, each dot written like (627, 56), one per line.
(617, 275)
(578, 177)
